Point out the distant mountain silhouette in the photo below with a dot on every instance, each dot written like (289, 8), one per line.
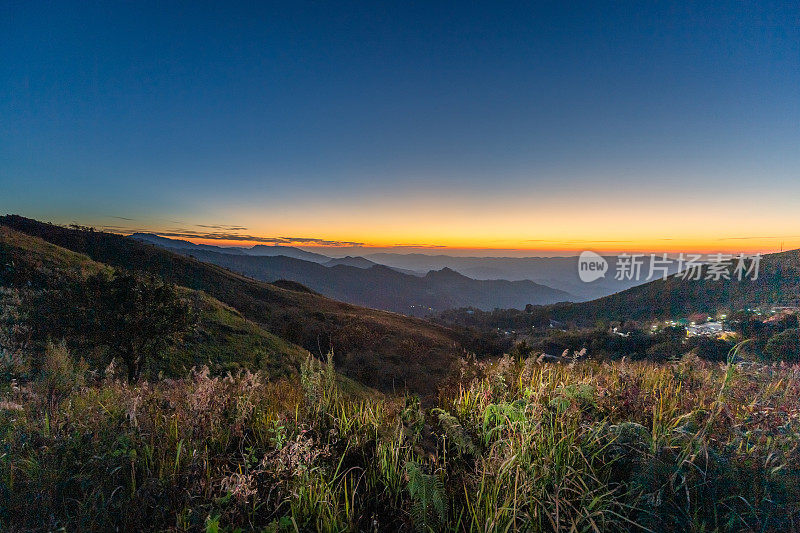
(358, 262)
(260, 250)
(382, 287)
(363, 262)
(179, 244)
(557, 272)
(384, 350)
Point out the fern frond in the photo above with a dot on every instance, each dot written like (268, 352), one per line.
(455, 432)
(428, 499)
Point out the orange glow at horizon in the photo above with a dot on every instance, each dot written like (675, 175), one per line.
(733, 245)
(560, 222)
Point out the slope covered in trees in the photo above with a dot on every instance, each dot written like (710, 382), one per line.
(61, 295)
(777, 283)
(380, 349)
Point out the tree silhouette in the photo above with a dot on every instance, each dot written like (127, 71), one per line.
(138, 317)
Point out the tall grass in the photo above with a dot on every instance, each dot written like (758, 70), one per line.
(519, 446)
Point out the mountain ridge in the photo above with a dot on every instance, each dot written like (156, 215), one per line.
(777, 282)
(383, 287)
(383, 350)
(224, 340)
(259, 250)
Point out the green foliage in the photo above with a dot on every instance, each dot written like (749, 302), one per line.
(455, 432)
(684, 446)
(137, 317)
(60, 374)
(413, 417)
(709, 348)
(499, 417)
(318, 382)
(311, 381)
(129, 316)
(784, 346)
(580, 394)
(14, 361)
(428, 500)
(212, 524)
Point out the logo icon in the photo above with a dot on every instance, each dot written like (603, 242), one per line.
(591, 266)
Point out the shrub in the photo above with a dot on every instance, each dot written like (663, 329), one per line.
(664, 351)
(14, 359)
(709, 348)
(60, 374)
(784, 346)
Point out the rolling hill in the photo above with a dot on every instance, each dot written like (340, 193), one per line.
(224, 340)
(380, 349)
(363, 262)
(381, 287)
(778, 283)
(262, 250)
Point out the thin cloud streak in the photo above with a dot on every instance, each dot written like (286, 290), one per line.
(233, 237)
(762, 237)
(219, 236)
(221, 227)
(418, 246)
(589, 241)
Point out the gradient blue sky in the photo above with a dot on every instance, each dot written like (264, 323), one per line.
(492, 125)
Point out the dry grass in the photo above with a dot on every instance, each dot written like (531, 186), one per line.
(516, 446)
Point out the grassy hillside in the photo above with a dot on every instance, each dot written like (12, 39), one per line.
(778, 282)
(224, 340)
(380, 349)
(25, 259)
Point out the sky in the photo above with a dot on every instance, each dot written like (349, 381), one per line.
(493, 128)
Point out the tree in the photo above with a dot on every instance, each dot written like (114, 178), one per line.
(137, 316)
(784, 346)
(664, 351)
(709, 348)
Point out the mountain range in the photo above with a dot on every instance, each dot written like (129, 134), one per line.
(362, 282)
(383, 350)
(257, 250)
(557, 272)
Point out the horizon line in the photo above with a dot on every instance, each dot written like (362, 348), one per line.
(443, 249)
